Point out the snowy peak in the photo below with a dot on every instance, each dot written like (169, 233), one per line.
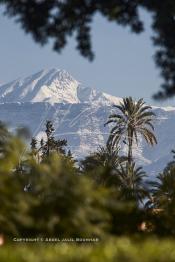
(90, 95)
(52, 86)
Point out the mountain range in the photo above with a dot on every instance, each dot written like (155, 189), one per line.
(78, 114)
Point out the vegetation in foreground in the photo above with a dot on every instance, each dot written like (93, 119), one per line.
(114, 250)
(45, 193)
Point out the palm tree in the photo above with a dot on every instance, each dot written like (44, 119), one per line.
(130, 182)
(101, 165)
(132, 119)
(163, 189)
(105, 156)
(110, 157)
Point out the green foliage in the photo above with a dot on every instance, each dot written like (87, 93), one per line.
(130, 182)
(103, 157)
(74, 207)
(61, 202)
(164, 188)
(112, 250)
(14, 203)
(163, 203)
(57, 200)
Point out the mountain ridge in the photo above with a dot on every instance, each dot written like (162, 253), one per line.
(53, 86)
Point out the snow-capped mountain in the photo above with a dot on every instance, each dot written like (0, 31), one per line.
(52, 86)
(78, 114)
(45, 86)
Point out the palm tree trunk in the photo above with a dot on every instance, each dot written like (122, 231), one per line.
(130, 142)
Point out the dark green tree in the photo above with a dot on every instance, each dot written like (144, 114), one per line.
(171, 163)
(130, 181)
(51, 144)
(162, 202)
(33, 144)
(109, 169)
(103, 157)
(69, 153)
(71, 158)
(163, 189)
(34, 147)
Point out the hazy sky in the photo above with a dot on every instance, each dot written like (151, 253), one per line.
(123, 64)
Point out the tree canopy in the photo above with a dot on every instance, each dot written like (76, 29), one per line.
(58, 19)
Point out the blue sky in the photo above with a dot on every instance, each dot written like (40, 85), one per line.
(123, 64)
